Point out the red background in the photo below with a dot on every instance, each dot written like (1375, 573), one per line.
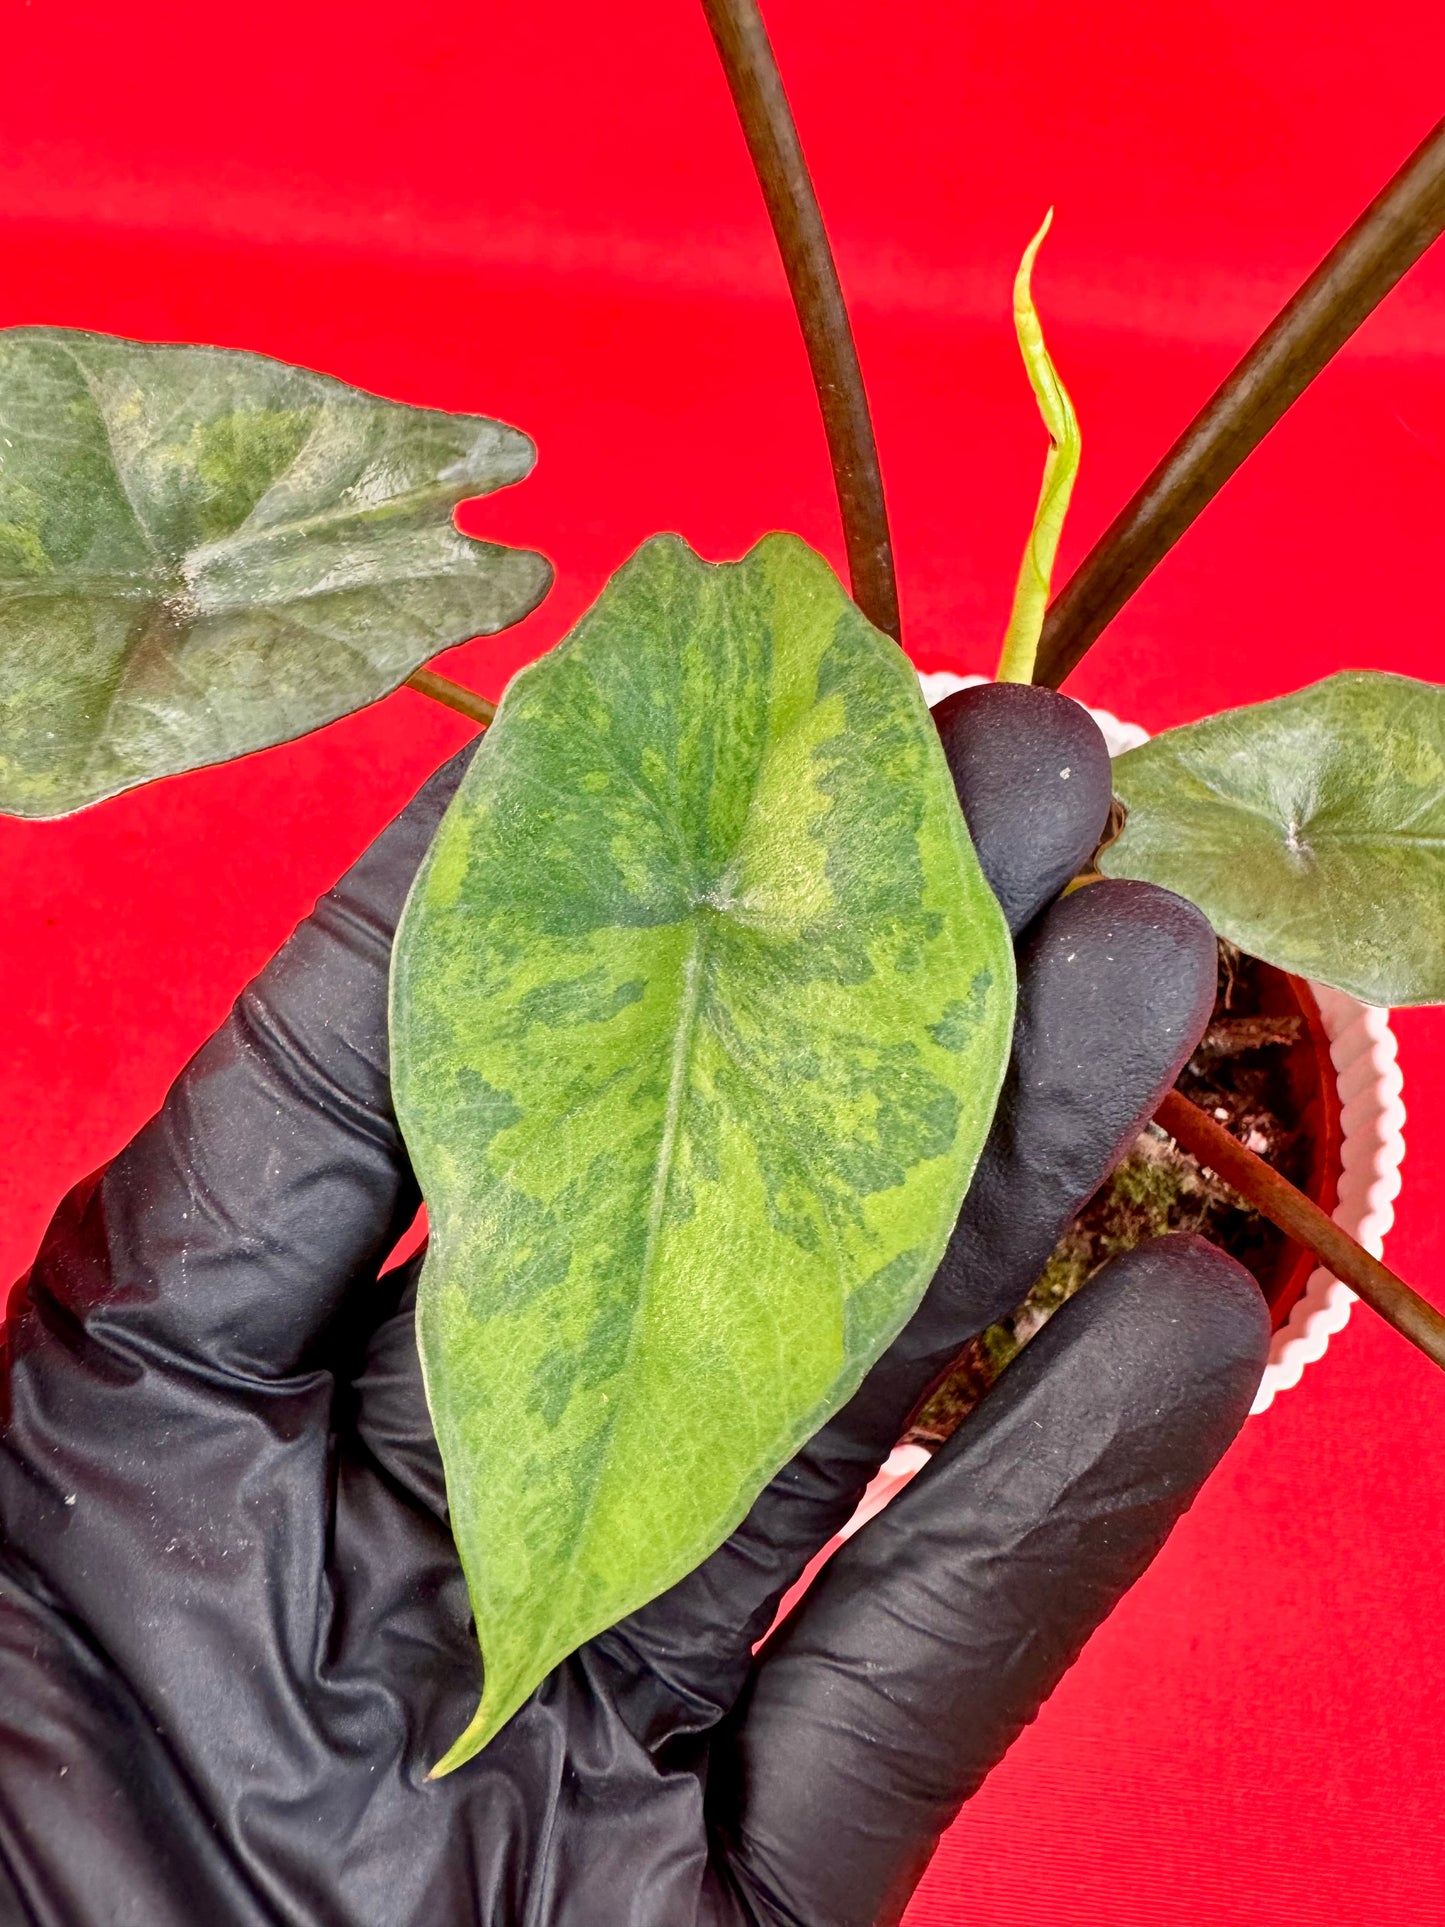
(545, 212)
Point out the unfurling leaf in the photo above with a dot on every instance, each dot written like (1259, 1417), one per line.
(1310, 830)
(203, 553)
(700, 1010)
(1061, 466)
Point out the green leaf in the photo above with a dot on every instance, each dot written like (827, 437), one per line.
(1061, 467)
(700, 1009)
(1310, 830)
(204, 553)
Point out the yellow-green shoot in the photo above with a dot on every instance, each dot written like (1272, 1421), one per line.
(1031, 595)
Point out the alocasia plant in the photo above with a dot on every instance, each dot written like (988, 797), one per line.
(701, 1003)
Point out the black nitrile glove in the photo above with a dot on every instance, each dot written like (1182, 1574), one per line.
(234, 1630)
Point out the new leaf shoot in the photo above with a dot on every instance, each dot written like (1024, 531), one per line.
(1061, 465)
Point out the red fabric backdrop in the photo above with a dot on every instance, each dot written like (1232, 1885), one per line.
(545, 213)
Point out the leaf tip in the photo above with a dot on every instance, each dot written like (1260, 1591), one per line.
(1024, 277)
(466, 1747)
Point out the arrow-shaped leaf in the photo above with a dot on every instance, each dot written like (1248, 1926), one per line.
(1310, 830)
(203, 553)
(700, 1009)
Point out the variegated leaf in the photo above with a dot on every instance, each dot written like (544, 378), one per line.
(700, 1010)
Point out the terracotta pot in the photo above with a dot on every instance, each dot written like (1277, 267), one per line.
(1314, 1089)
(1358, 1145)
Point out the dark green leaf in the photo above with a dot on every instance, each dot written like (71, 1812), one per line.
(1310, 830)
(700, 1009)
(203, 553)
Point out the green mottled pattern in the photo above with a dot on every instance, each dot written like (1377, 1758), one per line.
(203, 553)
(1310, 830)
(700, 1009)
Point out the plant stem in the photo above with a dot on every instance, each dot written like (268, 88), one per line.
(466, 702)
(777, 157)
(1304, 1221)
(1354, 277)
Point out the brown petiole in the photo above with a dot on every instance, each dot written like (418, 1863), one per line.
(777, 156)
(1302, 1219)
(466, 702)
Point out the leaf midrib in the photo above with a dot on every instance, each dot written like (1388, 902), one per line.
(424, 496)
(1317, 837)
(694, 971)
(120, 585)
(1389, 836)
(685, 1037)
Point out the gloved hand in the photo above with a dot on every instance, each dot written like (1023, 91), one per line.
(234, 1630)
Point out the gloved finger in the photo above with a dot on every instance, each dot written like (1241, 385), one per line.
(79, 1753)
(933, 1636)
(391, 1419)
(1033, 779)
(1116, 984)
(227, 1234)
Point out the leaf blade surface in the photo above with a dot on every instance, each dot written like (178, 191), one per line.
(1309, 829)
(204, 553)
(700, 1008)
